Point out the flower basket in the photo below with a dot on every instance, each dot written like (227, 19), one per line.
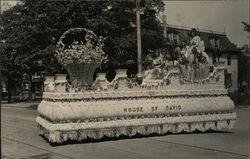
(81, 75)
(80, 52)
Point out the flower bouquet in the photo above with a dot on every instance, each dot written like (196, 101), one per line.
(80, 51)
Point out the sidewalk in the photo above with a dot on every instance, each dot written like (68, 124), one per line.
(20, 104)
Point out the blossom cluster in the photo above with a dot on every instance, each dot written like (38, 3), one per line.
(79, 52)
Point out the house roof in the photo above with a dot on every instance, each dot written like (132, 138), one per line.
(225, 44)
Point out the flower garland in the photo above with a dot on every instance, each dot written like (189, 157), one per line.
(213, 75)
(79, 52)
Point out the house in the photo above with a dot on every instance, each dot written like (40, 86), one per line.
(7, 4)
(217, 45)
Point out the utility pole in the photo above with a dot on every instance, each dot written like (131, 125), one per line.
(139, 50)
(248, 53)
(164, 21)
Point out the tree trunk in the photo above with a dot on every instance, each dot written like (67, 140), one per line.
(9, 88)
(30, 91)
(1, 84)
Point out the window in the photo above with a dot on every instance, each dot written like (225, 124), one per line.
(176, 38)
(170, 36)
(228, 60)
(212, 42)
(173, 37)
(215, 42)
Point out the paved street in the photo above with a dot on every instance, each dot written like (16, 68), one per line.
(20, 139)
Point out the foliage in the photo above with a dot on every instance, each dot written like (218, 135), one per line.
(32, 28)
(246, 26)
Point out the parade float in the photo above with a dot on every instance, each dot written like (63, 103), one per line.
(165, 102)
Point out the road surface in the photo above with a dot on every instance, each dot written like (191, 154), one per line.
(20, 140)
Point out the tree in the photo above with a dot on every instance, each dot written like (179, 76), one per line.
(9, 70)
(31, 30)
(244, 63)
(246, 26)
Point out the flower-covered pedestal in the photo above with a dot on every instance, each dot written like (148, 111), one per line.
(49, 84)
(101, 82)
(60, 83)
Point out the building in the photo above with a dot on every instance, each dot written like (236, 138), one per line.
(217, 45)
(7, 4)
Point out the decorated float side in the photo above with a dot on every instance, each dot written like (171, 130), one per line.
(167, 101)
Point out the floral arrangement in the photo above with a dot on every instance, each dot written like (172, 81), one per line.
(81, 52)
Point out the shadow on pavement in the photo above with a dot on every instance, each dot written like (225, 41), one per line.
(42, 156)
(123, 137)
(32, 107)
(241, 106)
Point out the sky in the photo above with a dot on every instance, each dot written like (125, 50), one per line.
(216, 15)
